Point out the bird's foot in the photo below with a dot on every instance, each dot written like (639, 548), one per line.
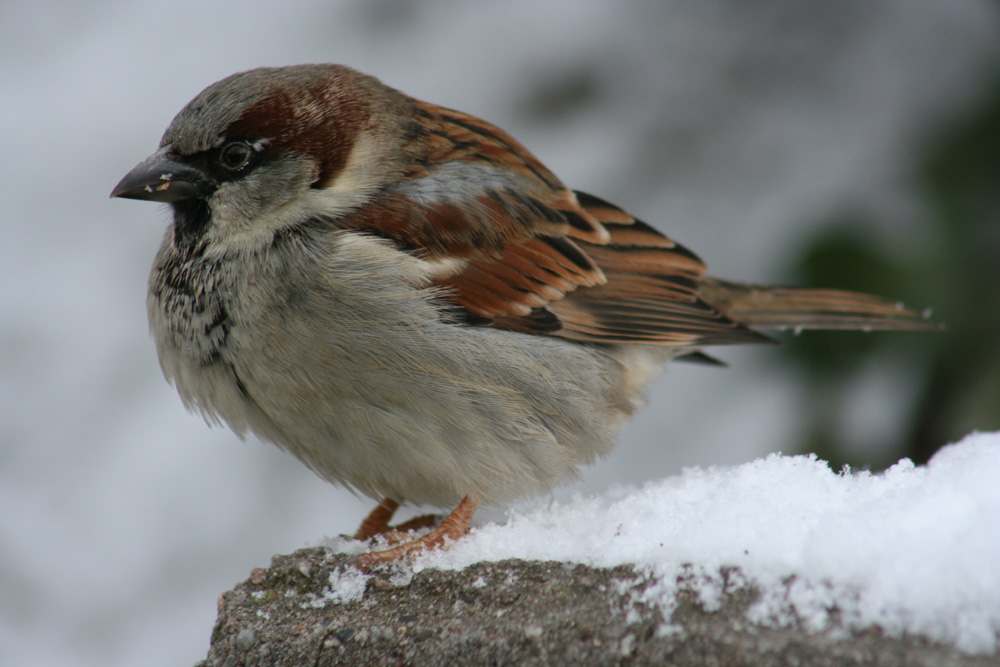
(452, 527)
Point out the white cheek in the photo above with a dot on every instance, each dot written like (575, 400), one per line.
(225, 214)
(364, 173)
(247, 214)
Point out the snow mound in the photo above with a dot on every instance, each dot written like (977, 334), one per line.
(915, 549)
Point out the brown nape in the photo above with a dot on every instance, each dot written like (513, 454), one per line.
(807, 308)
(453, 527)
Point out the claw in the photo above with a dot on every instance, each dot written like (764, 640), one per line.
(453, 527)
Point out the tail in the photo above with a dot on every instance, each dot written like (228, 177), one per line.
(804, 308)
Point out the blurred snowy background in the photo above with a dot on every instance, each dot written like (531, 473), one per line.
(743, 130)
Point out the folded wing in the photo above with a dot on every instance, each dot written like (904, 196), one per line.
(511, 247)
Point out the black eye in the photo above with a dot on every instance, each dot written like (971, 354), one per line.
(235, 155)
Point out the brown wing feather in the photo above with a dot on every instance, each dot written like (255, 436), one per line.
(534, 256)
(651, 295)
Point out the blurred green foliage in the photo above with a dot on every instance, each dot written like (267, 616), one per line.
(955, 268)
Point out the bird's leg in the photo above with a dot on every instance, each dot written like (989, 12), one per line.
(377, 523)
(454, 526)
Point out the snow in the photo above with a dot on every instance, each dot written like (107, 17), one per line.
(730, 126)
(913, 550)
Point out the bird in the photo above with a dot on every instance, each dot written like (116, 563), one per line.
(407, 300)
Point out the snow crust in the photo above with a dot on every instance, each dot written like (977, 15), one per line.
(915, 549)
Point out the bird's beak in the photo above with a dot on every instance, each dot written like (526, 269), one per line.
(158, 178)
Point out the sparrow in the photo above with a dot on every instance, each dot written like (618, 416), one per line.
(404, 298)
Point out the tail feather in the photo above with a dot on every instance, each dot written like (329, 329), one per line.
(805, 308)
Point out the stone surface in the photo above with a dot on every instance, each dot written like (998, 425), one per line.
(517, 613)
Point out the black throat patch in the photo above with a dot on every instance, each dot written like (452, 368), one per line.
(191, 220)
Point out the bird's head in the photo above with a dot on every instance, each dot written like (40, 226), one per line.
(267, 149)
